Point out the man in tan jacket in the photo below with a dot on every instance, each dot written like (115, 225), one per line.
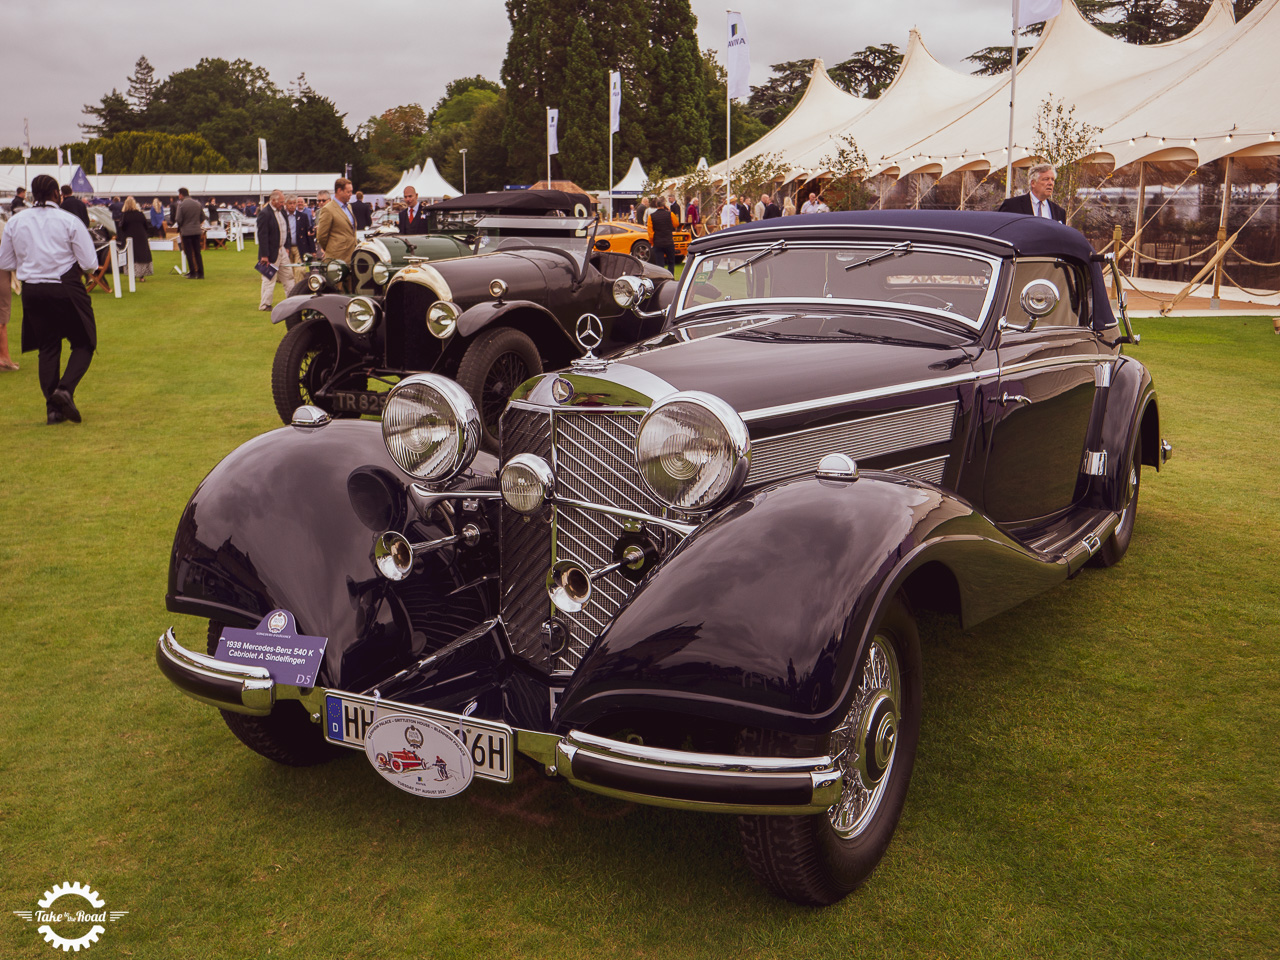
(336, 225)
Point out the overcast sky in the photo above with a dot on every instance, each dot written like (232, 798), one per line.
(57, 56)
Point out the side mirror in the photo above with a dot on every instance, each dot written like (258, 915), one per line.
(1039, 298)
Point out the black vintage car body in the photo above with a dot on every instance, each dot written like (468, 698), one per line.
(690, 577)
(490, 321)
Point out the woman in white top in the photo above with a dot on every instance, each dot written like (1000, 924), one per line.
(729, 214)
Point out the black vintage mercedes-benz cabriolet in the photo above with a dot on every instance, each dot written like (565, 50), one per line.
(690, 578)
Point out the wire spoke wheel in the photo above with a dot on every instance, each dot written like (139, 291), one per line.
(496, 362)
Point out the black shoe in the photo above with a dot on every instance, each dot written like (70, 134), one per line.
(55, 417)
(62, 401)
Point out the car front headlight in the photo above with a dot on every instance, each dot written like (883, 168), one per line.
(361, 314)
(431, 427)
(315, 283)
(442, 318)
(381, 274)
(693, 451)
(336, 271)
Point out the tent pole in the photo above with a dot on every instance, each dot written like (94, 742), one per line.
(1215, 303)
(1134, 262)
(728, 143)
(1013, 86)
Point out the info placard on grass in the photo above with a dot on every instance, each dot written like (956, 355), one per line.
(275, 644)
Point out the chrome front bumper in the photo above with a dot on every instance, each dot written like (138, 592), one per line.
(712, 783)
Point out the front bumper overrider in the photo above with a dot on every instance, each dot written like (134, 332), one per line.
(716, 783)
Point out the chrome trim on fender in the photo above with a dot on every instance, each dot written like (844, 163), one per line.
(424, 275)
(1095, 463)
(859, 396)
(239, 688)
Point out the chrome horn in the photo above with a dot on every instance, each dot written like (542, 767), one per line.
(393, 554)
(569, 583)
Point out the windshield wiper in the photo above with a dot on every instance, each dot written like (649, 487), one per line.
(768, 251)
(897, 250)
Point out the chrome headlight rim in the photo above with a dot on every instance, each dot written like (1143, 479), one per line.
(381, 273)
(736, 439)
(335, 271)
(315, 282)
(535, 468)
(629, 291)
(361, 315)
(497, 288)
(442, 318)
(416, 398)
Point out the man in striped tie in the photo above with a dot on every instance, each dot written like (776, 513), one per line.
(1037, 202)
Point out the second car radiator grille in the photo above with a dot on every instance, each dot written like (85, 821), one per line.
(594, 462)
(409, 345)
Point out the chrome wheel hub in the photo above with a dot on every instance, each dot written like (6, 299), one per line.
(863, 745)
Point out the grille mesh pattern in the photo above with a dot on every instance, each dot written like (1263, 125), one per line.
(595, 463)
(777, 457)
(525, 542)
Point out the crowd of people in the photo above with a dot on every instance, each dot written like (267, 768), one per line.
(727, 212)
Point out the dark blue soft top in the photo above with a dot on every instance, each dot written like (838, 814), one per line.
(1029, 236)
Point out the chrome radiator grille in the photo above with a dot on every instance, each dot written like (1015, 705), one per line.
(594, 462)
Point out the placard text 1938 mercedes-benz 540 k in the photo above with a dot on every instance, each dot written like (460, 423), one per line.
(689, 577)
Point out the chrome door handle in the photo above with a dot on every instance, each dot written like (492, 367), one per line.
(1007, 398)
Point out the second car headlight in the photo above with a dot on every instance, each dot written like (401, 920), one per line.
(431, 427)
(381, 273)
(361, 314)
(335, 271)
(442, 317)
(693, 451)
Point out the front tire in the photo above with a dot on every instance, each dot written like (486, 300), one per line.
(496, 362)
(641, 250)
(304, 362)
(285, 735)
(820, 859)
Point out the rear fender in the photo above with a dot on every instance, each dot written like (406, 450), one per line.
(761, 616)
(289, 520)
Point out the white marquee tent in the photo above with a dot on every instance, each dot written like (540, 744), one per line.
(1211, 94)
(429, 184)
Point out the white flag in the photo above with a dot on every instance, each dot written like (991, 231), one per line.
(59, 156)
(26, 139)
(70, 162)
(97, 163)
(739, 58)
(615, 101)
(1027, 12)
(553, 142)
(262, 154)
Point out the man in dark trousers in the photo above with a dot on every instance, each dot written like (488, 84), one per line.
(362, 211)
(49, 250)
(74, 205)
(189, 216)
(412, 219)
(1035, 202)
(661, 232)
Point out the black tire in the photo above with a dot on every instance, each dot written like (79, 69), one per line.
(304, 361)
(820, 859)
(1117, 545)
(496, 362)
(641, 250)
(286, 735)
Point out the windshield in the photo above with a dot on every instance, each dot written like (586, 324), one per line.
(938, 280)
(575, 245)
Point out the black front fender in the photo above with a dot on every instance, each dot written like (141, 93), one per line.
(289, 520)
(760, 617)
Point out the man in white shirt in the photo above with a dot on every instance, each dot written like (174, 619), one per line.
(49, 249)
(729, 213)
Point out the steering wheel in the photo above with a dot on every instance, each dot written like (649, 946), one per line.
(921, 295)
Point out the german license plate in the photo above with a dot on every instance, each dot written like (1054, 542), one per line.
(349, 715)
(357, 401)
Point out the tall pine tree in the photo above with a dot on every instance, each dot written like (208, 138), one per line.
(678, 110)
(584, 151)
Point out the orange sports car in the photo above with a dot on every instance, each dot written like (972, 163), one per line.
(625, 237)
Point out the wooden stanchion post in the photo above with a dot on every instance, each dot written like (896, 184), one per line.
(128, 265)
(115, 268)
(1117, 236)
(1214, 302)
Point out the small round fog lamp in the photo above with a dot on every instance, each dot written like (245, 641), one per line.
(497, 289)
(526, 482)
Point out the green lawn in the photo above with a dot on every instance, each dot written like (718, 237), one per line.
(1097, 773)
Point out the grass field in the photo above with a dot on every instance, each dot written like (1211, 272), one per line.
(1097, 774)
